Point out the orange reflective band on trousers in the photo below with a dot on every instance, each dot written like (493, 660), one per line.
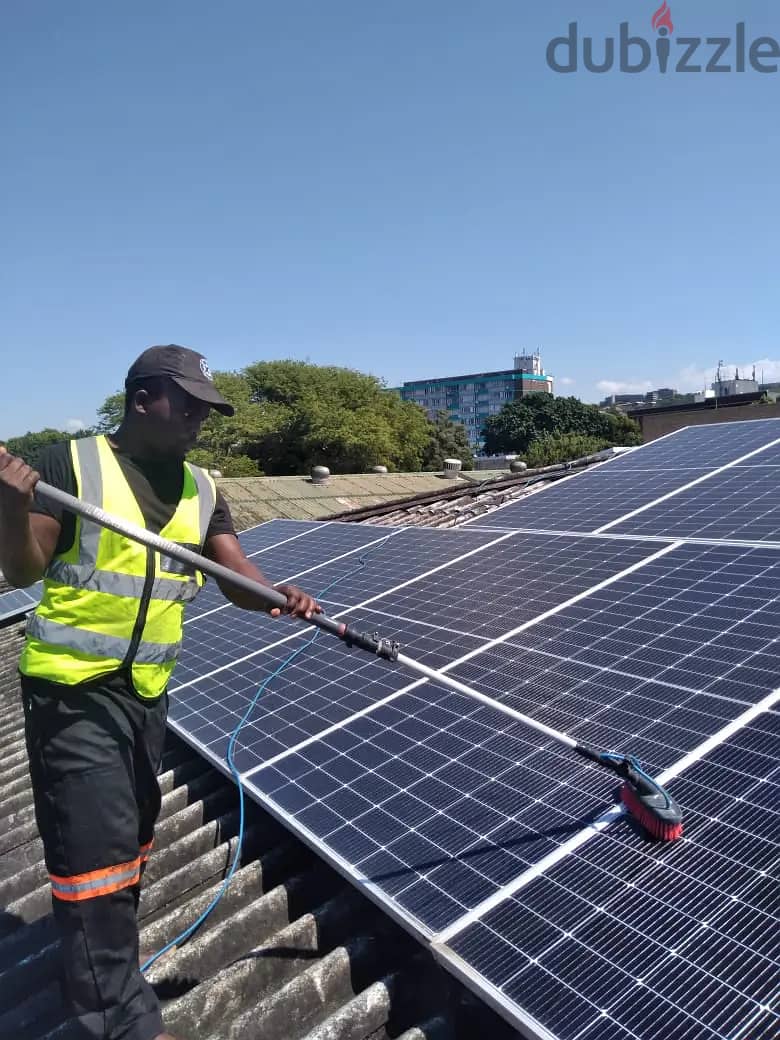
(100, 882)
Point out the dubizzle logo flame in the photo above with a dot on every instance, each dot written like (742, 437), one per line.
(662, 19)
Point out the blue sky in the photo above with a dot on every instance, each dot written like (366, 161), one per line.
(400, 187)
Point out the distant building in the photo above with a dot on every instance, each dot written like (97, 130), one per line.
(619, 400)
(471, 399)
(663, 394)
(733, 387)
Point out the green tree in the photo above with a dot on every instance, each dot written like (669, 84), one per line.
(523, 421)
(343, 419)
(446, 440)
(111, 413)
(552, 448)
(30, 445)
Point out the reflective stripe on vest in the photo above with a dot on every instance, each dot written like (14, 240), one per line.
(124, 584)
(85, 624)
(98, 645)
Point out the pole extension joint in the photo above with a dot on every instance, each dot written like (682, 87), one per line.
(372, 642)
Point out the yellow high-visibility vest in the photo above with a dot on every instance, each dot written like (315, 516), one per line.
(108, 602)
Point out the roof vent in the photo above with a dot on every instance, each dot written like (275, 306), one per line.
(517, 466)
(452, 468)
(320, 474)
(379, 469)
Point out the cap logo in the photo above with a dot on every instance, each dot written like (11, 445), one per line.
(204, 367)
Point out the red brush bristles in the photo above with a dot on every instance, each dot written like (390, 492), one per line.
(658, 813)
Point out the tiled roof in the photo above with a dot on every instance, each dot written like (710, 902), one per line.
(464, 499)
(255, 499)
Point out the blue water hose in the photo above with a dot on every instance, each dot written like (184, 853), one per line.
(232, 765)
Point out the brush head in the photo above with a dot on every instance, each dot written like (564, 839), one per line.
(654, 808)
(645, 800)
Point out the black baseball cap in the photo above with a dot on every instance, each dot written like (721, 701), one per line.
(185, 367)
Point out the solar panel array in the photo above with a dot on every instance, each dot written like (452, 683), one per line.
(633, 606)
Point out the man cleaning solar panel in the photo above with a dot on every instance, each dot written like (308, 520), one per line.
(99, 653)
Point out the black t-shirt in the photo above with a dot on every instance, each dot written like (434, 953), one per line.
(157, 487)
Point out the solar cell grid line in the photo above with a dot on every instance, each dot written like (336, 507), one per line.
(324, 687)
(705, 909)
(702, 447)
(702, 619)
(755, 454)
(212, 640)
(743, 503)
(432, 799)
(509, 582)
(583, 502)
(281, 557)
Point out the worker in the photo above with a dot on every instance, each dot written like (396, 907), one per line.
(98, 656)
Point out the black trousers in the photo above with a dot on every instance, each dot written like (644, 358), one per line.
(94, 751)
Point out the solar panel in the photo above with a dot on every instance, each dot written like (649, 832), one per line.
(475, 832)
(212, 639)
(741, 503)
(323, 688)
(433, 747)
(432, 799)
(609, 942)
(597, 499)
(509, 582)
(16, 602)
(286, 550)
(702, 447)
(584, 501)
